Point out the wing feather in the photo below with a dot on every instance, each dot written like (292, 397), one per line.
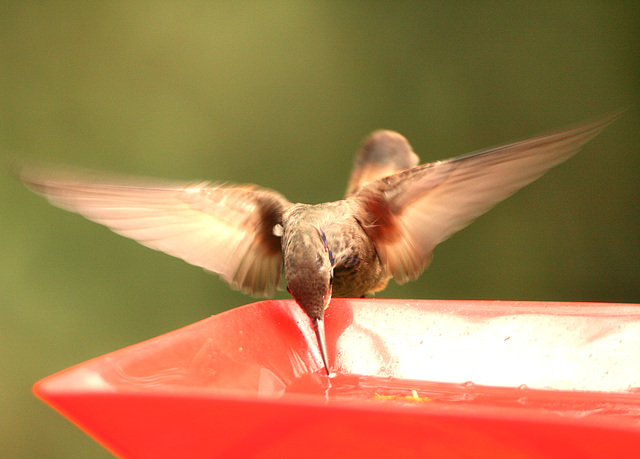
(407, 214)
(383, 153)
(226, 229)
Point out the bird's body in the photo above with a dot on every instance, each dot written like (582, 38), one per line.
(357, 270)
(393, 216)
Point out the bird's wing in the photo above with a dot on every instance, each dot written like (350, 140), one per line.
(383, 153)
(222, 228)
(407, 214)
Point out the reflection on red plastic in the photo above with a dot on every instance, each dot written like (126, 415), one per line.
(412, 379)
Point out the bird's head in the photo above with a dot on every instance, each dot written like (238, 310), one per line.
(308, 268)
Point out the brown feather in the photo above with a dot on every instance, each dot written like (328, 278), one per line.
(408, 213)
(382, 154)
(225, 229)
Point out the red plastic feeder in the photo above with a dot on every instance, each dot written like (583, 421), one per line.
(412, 379)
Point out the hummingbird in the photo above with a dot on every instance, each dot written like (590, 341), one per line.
(395, 212)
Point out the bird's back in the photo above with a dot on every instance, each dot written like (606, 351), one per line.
(357, 269)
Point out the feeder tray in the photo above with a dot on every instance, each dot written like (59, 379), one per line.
(411, 378)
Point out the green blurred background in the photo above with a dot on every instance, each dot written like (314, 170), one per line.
(281, 94)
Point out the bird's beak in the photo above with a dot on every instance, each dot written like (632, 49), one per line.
(319, 327)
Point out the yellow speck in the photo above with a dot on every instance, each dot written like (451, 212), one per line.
(414, 397)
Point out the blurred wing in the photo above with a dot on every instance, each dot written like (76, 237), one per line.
(383, 153)
(224, 229)
(409, 213)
